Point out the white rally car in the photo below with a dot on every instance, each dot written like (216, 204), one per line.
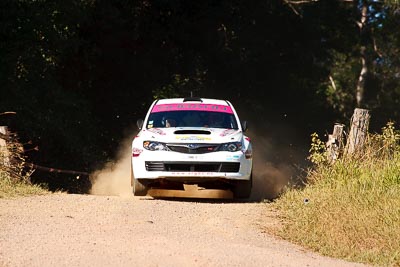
(192, 141)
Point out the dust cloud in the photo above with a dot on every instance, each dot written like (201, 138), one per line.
(275, 163)
(115, 178)
(269, 180)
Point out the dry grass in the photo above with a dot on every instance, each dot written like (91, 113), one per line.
(349, 210)
(12, 188)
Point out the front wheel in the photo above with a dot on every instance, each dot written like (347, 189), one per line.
(242, 189)
(139, 188)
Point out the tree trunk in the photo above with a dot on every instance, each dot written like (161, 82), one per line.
(364, 66)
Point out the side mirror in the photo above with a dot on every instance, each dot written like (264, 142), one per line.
(244, 126)
(139, 123)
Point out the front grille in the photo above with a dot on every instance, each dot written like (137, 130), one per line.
(192, 166)
(193, 148)
(154, 166)
(230, 167)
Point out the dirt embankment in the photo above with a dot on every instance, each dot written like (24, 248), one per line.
(87, 230)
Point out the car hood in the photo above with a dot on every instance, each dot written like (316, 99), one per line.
(190, 135)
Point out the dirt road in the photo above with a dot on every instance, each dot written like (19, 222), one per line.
(87, 230)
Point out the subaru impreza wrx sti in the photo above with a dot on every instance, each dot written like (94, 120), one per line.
(192, 141)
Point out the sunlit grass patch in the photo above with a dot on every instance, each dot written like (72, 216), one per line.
(14, 188)
(349, 210)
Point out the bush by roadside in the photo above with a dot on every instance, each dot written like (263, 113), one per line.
(350, 209)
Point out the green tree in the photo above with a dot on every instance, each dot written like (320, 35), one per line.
(363, 68)
(36, 37)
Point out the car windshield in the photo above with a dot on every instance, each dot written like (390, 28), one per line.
(192, 118)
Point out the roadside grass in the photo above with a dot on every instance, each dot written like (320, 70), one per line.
(350, 209)
(15, 188)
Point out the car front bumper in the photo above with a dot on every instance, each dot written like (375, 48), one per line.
(173, 165)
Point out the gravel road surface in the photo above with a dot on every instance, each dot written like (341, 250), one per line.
(88, 230)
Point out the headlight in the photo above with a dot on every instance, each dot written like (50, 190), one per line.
(231, 147)
(154, 146)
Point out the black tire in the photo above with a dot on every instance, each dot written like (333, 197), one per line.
(138, 187)
(242, 189)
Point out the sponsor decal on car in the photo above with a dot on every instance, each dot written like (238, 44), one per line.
(234, 157)
(183, 174)
(192, 138)
(136, 152)
(228, 132)
(193, 157)
(157, 131)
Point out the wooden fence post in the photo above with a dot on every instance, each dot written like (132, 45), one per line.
(335, 142)
(358, 131)
(4, 153)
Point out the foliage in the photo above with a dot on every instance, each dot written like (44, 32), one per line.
(37, 36)
(338, 90)
(180, 86)
(318, 153)
(390, 136)
(386, 144)
(380, 41)
(352, 208)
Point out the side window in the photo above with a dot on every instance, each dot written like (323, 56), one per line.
(154, 121)
(232, 122)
